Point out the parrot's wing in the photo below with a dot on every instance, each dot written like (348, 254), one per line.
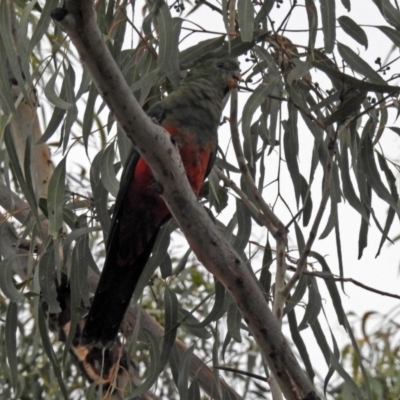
(156, 112)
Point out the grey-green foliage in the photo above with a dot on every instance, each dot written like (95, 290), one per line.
(318, 86)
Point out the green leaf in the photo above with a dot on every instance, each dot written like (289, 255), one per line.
(347, 378)
(346, 5)
(47, 278)
(265, 276)
(153, 370)
(10, 341)
(307, 201)
(54, 123)
(41, 26)
(89, 114)
(100, 195)
(191, 323)
(339, 78)
(147, 68)
(15, 163)
(332, 288)
(72, 113)
(266, 56)
(349, 107)
(164, 29)
(166, 267)
(257, 98)
(321, 340)
(266, 7)
(363, 234)
(365, 374)
(234, 320)
(85, 84)
(370, 170)
(395, 129)
(8, 50)
(301, 347)
(173, 70)
(50, 92)
(383, 112)
(393, 189)
(183, 377)
(298, 294)
(246, 19)
(392, 34)
(55, 199)
(215, 360)
(220, 306)
(200, 49)
(174, 361)
(244, 227)
(347, 184)
(7, 97)
(28, 166)
(389, 12)
(314, 304)
(353, 30)
(194, 390)
(312, 15)
(236, 47)
(328, 23)
(23, 38)
(107, 170)
(160, 251)
(356, 63)
(147, 80)
(43, 330)
(171, 325)
(301, 68)
(81, 260)
(332, 219)
(389, 221)
(339, 250)
(291, 148)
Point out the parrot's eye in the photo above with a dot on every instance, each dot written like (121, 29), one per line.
(220, 64)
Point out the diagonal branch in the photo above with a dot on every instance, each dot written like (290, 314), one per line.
(216, 254)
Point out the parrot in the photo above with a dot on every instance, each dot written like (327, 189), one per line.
(191, 114)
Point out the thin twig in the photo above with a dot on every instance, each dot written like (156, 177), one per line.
(241, 372)
(327, 276)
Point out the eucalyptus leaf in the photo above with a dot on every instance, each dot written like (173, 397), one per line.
(328, 16)
(55, 200)
(354, 30)
(246, 19)
(10, 340)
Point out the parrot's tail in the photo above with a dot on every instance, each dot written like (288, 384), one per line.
(113, 295)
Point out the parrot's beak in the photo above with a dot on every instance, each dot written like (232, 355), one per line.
(237, 76)
(234, 81)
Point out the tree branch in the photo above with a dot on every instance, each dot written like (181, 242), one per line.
(78, 19)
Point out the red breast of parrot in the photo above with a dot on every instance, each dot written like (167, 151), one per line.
(191, 115)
